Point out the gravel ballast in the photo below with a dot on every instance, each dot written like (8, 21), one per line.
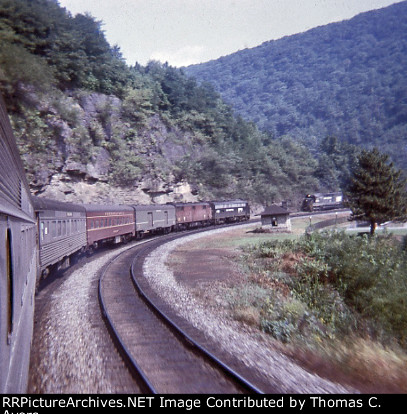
(285, 375)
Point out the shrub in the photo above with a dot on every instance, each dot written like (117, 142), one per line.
(342, 282)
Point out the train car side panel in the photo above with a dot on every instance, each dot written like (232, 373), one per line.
(109, 224)
(61, 231)
(154, 218)
(18, 264)
(190, 215)
(230, 211)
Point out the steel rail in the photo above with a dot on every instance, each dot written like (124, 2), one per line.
(188, 339)
(131, 363)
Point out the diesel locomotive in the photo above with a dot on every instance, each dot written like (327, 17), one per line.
(322, 201)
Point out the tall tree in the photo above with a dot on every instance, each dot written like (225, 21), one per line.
(377, 191)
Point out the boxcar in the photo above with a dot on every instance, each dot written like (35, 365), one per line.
(112, 223)
(189, 215)
(230, 211)
(61, 232)
(18, 264)
(154, 218)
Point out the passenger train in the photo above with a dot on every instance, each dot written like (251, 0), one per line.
(37, 235)
(65, 229)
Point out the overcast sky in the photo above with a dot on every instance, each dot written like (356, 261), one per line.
(184, 32)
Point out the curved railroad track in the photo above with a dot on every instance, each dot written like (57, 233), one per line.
(160, 354)
(72, 352)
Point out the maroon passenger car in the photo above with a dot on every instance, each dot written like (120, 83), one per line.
(109, 224)
(190, 215)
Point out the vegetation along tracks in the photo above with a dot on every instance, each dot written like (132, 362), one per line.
(157, 350)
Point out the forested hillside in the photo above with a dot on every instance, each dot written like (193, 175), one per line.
(345, 79)
(91, 128)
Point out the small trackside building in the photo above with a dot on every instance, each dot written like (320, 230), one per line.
(276, 219)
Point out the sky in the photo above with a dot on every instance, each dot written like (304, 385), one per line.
(185, 32)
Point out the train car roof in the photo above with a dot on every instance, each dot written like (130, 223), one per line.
(229, 202)
(107, 208)
(155, 207)
(15, 196)
(41, 203)
(192, 203)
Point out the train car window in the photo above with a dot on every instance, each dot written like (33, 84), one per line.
(10, 293)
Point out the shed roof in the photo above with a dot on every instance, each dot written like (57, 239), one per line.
(274, 210)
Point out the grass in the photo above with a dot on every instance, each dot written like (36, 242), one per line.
(336, 303)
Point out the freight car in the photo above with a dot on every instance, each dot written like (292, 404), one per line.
(112, 223)
(190, 215)
(322, 201)
(61, 232)
(18, 264)
(158, 218)
(230, 211)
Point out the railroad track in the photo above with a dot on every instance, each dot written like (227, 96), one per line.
(158, 351)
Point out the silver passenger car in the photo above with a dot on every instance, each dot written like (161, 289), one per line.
(18, 264)
(61, 231)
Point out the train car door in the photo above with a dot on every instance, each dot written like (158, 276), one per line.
(9, 284)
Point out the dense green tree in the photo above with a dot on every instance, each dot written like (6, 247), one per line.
(377, 192)
(336, 159)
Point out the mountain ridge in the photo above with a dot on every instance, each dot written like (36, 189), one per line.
(343, 79)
